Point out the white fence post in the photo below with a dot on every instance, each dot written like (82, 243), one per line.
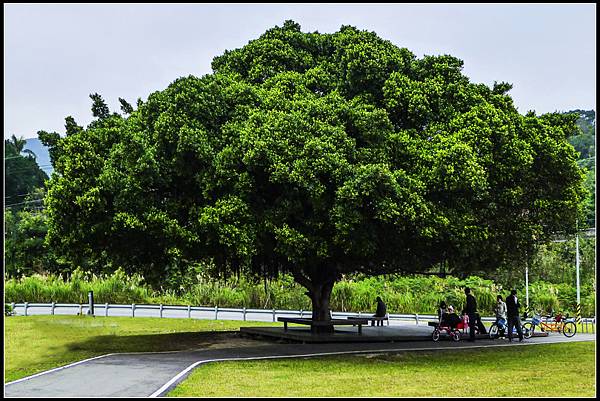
(216, 312)
(80, 309)
(244, 312)
(12, 307)
(417, 318)
(26, 308)
(273, 314)
(132, 310)
(106, 309)
(190, 311)
(52, 308)
(301, 313)
(161, 309)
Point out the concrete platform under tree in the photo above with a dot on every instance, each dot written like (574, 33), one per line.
(350, 334)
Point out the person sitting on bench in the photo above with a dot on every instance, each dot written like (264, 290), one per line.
(380, 312)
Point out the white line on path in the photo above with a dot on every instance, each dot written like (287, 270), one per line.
(179, 376)
(57, 369)
(98, 357)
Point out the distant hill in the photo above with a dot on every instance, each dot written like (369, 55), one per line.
(41, 153)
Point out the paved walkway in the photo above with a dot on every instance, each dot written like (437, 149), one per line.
(154, 374)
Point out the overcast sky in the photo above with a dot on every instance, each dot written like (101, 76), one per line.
(56, 55)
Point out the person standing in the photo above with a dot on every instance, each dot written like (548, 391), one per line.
(512, 313)
(442, 312)
(500, 315)
(470, 310)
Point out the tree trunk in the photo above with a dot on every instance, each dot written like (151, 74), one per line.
(320, 294)
(319, 285)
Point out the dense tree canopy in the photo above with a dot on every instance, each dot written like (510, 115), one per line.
(319, 155)
(25, 229)
(584, 139)
(584, 142)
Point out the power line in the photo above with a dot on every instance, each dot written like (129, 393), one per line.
(22, 203)
(39, 165)
(21, 195)
(29, 156)
(27, 167)
(23, 169)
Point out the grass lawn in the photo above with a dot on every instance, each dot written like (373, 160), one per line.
(36, 343)
(523, 371)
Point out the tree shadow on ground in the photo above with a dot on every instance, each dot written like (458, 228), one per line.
(162, 342)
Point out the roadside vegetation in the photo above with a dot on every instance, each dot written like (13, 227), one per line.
(415, 294)
(34, 344)
(496, 372)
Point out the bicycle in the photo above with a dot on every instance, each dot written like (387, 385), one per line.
(502, 325)
(558, 324)
(452, 332)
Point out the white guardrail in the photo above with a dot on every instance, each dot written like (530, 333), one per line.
(214, 312)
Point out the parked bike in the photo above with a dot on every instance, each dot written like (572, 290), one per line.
(501, 326)
(558, 324)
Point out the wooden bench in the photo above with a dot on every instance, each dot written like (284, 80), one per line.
(373, 319)
(333, 322)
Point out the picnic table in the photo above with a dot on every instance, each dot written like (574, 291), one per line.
(373, 319)
(333, 322)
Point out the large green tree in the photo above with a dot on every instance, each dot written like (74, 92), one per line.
(318, 155)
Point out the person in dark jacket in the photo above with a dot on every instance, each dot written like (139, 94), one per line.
(474, 318)
(512, 314)
(442, 312)
(452, 318)
(380, 312)
(469, 310)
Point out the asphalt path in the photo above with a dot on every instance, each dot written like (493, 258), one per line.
(155, 374)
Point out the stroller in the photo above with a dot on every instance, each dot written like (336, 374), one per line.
(453, 332)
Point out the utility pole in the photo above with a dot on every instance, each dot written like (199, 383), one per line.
(577, 271)
(526, 284)
(527, 287)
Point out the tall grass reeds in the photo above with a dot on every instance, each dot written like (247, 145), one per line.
(402, 294)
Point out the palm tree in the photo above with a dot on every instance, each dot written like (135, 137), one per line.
(18, 144)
